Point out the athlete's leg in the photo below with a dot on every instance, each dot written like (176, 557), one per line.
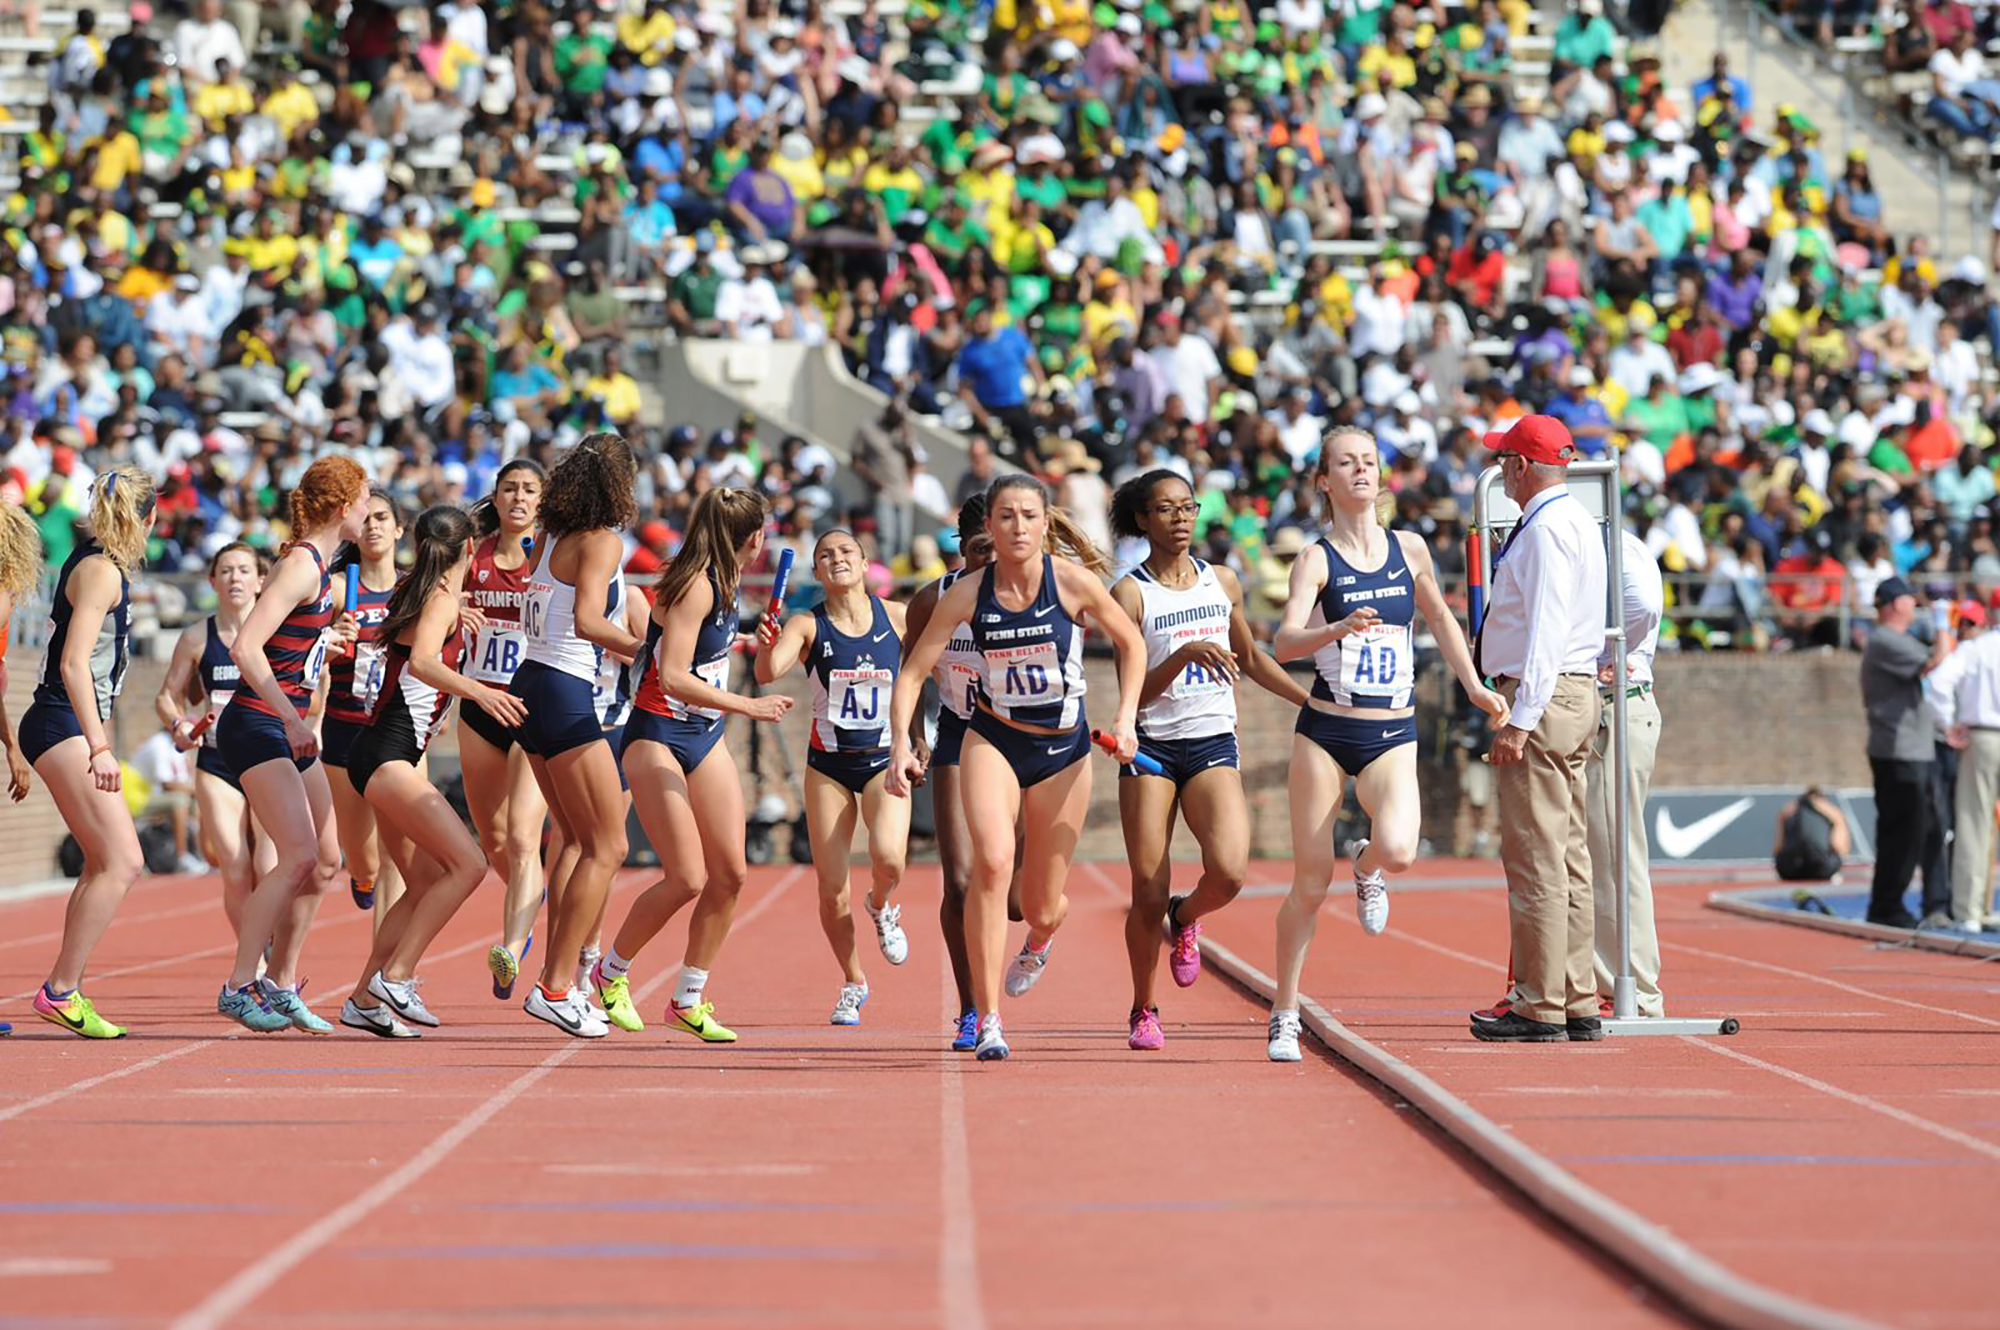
(410, 806)
(276, 793)
(660, 797)
(1052, 816)
(360, 847)
(830, 817)
(955, 867)
(588, 800)
(716, 792)
(1315, 785)
(225, 841)
(112, 861)
(1146, 809)
(887, 818)
(990, 797)
(295, 920)
(1388, 793)
(1219, 817)
(526, 814)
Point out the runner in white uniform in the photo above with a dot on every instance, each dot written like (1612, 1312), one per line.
(1197, 645)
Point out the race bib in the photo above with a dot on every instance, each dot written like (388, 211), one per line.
(714, 673)
(1029, 675)
(858, 699)
(315, 662)
(1376, 660)
(958, 689)
(1198, 680)
(535, 612)
(216, 702)
(368, 663)
(498, 654)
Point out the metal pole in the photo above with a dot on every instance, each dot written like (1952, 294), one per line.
(1617, 761)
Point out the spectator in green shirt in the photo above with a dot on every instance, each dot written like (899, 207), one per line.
(953, 234)
(583, 56)
(691, 297)
(1585, 34)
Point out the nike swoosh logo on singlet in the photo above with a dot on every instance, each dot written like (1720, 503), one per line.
(1398, 573)
(883, 638)
(1043, 612)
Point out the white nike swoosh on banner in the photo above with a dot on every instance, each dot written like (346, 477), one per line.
(1681, 842)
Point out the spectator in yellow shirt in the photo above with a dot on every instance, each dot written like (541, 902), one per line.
(117, 158)
(649, 33)
(290, 105)
(1110, 312)
(617, 390)
(794, 164)
(228, 95)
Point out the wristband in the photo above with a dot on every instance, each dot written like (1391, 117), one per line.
(101, 748)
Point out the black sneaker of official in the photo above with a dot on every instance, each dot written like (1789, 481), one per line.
(1898, 918)
(1514, 1028)
(1584, 1029)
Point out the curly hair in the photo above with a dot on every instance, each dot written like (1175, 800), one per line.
(324, 492)
(20, 551)
(1127, 504)
(121, 511)
(590, 487)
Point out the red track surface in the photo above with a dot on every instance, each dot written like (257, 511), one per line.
(195, 1175)
(1845, 1147)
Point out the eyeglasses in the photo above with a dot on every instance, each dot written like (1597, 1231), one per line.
(1186, 508)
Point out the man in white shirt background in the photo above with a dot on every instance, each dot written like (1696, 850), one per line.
(1964, 695)
(1540, 643)
(1644, 598)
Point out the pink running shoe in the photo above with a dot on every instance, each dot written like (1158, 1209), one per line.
(1147, 1036)
(1185, 959)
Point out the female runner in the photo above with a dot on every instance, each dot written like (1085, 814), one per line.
(280, 650)
(852, 646)
(1352, 608)
(507, 806)
(957, 680)
(202, 673)
(1197, 645)
(1023, 758)
(69, 746)
(575, 611)
(441, 863)
(684, 780)
(353, 678)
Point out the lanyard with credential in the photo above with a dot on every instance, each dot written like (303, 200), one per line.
(1500, 555)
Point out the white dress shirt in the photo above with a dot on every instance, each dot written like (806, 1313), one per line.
(1965, 688)
(1546, 618)
(1645, 605)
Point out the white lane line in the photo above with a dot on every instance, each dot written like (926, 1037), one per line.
(1854, 989)
(1908, 1119)
(959, 1299)
(13, 1111)
(55, 935)
(251, 1283)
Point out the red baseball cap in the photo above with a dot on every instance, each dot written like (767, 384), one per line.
(1971, 611)
(1536, 439)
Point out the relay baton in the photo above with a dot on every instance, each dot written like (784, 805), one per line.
(1146, 766)
(783, 579)
(354, 589)
(200, 727)
(1475, 582)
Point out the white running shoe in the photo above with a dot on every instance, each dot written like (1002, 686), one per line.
(586, 966)
(992, 1046)
(1284, 1031)
(889, 932)
(583, 998)
(1371, 896)
(403, 999)
(1026, 968)
(378, 1021)
(571, 1015)
(847, 1011)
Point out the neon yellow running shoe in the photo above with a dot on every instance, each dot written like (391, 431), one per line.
(700, 1022)
(616, 994)
(76, 1014)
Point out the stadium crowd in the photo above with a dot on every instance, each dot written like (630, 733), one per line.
(1096, 235)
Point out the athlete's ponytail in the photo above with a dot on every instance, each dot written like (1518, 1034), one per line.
(20, 552)
(722, 520)
(121, 513)
(442, 534)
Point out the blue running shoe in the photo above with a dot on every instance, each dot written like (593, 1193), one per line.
(5, 1029)
(967, 1037)
(246, 1007)
(363, 893)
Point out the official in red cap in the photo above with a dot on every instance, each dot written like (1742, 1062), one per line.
(1539, 644)
(1963, 694)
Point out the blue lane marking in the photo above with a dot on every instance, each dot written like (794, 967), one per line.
(676, 1205)
(1866, 1160)
(131, 1208)
(618, 1251)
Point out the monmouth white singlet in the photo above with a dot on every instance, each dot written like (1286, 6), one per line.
(1197, 703)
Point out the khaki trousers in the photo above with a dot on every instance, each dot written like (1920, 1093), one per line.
(1972, 848)
(1545, 850)
(1642, 736)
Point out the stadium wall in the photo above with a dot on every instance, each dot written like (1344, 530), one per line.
(1731, 720)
